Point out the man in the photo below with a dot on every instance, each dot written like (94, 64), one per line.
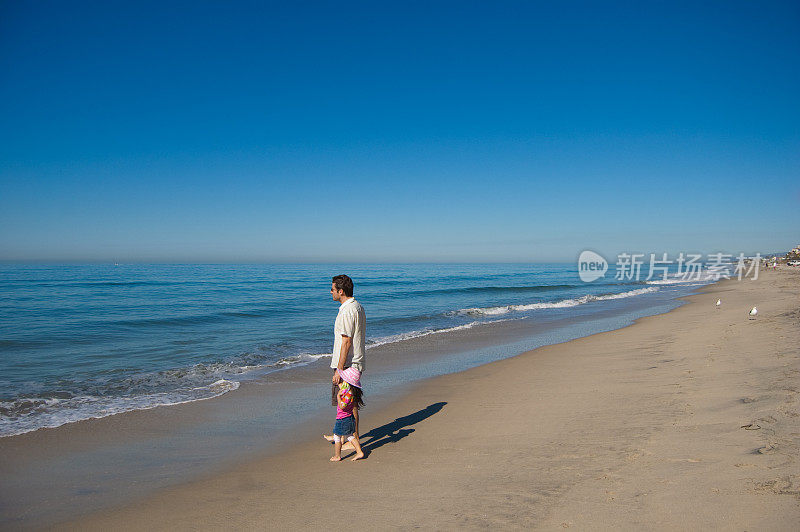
(349, 331)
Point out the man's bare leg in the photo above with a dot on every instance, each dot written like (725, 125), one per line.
(347, 446)
(334, 391)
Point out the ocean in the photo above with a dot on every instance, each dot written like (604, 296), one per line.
(89, 341)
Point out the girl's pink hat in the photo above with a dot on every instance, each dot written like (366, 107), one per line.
(351, 376)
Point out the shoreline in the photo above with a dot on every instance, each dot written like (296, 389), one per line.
(498, 329)
(91, 465)
(558, 430)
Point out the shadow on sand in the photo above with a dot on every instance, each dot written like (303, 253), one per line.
(396, 430)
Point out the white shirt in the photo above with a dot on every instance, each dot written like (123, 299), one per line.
(351, 321)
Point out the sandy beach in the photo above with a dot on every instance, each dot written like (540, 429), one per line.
(689, 419)
(517, 218)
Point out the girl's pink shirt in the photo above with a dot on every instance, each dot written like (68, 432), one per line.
(348, 409)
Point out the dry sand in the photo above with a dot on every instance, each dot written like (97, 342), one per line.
(688, 420)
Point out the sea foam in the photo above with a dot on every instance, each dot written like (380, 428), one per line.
(31, 413)
(139, 392)
(564, 303)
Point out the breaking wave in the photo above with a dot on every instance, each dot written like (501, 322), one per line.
(564, 303)
(110, 393)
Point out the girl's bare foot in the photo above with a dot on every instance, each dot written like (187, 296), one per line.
(328, 437)
(335, 458)
(358, 456)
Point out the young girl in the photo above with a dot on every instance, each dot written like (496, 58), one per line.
(349, 396)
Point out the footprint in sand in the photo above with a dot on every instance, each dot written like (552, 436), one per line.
(750, 426)
(767, 449)
(782, 486)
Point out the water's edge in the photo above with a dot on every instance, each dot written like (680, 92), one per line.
(169, 446)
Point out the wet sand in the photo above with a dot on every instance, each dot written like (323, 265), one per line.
(689, 419)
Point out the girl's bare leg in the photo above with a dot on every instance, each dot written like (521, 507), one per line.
(346, 446)
(357, 444)
(337, 451)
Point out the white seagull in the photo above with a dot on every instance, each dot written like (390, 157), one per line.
(753, 312)
(719, 302)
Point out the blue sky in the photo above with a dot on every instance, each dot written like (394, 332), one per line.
(435, 131)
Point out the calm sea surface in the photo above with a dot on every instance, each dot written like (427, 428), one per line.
(82, 341)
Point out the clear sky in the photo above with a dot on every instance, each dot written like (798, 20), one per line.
(406, 131)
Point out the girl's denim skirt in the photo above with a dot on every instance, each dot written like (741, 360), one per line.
(345, 426)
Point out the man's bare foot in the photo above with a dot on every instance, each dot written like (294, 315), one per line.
(346, 446)
(335, 458)
(358, 456)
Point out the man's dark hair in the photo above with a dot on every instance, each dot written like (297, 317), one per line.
(344, 283)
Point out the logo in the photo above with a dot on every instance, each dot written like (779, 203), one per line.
(591, 266)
